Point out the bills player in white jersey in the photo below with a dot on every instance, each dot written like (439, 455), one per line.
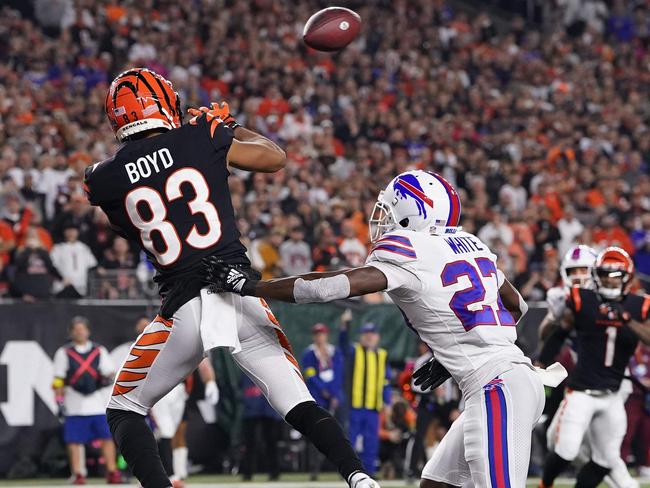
(446, 283)
(575, 270)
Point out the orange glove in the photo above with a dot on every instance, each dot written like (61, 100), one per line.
(216, 110)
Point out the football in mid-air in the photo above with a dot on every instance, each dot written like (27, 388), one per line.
(331, 29)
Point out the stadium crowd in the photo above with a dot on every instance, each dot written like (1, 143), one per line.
(546, 136)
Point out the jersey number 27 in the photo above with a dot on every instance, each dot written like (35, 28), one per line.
(157, 222)
(484, 269)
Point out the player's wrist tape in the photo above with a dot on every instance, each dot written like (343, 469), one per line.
(321, 289)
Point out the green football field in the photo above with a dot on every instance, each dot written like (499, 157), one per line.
(260, 481)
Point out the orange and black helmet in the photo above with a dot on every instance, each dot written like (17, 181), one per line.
(139, 100)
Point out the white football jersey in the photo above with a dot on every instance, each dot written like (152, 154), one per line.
(447, 289)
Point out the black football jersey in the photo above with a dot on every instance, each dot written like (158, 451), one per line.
(604, 343)
(169, 193)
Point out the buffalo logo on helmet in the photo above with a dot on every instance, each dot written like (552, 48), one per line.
(408, 186)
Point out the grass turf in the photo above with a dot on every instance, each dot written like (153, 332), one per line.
(293, 480)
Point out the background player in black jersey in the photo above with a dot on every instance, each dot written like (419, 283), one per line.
(608, 321)
(166, 188)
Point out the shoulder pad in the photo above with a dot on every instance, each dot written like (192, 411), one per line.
(393, 247)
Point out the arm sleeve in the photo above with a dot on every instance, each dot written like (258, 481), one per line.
(397, 276)
(60, 363)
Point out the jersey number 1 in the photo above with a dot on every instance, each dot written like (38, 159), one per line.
(158, 210)
(475, 294)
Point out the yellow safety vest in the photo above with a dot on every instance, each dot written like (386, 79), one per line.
(368, 378)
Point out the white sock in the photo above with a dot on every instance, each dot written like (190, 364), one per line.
(180, 462)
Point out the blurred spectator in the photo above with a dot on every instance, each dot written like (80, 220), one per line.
(496, 228)
(322, 365)
(73, 259)
(265, 254)
(34, 273)
(82, 371)
(396, 427)
(641, 241)
(569, 228)
(610, 233)
(295, 254)
(326, 252)
(351, 248)
(7, 242)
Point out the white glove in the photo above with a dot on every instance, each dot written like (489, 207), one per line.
(211, 393)
(362, 480)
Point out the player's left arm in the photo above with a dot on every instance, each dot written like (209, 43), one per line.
(641, 327)
(306, 288)
(512, 300)
(323, 287)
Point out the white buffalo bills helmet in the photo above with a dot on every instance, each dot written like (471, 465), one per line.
(417, 200)
(578, 257)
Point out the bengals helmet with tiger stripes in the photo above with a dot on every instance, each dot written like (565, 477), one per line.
(140, 100)
(613, 272)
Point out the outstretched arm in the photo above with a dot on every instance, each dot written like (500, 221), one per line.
(307, 288)
(323, 287)
(254, 152)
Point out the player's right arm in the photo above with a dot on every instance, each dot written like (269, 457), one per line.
(253, 152)
(248, 150)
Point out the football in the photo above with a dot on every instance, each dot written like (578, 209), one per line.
(331, 29)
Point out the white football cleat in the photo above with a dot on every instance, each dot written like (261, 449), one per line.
(362, 480)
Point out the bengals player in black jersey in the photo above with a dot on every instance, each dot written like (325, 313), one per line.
(166, 188)
(608, 321)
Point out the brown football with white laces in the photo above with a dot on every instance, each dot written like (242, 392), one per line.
(331, 29)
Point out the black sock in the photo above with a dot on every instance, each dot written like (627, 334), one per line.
(590, 475)
(166, 455)
(136, 442)
(553, 467)
(318, 425)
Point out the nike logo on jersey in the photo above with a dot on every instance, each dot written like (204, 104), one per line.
(145, 166)
(463, 244)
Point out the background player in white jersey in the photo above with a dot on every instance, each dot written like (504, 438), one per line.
(446, 284)
(575, 270)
